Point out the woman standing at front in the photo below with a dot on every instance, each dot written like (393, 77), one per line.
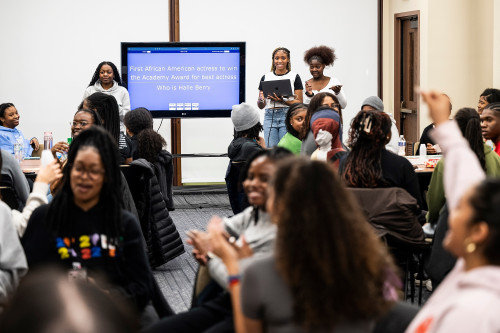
(318, 58)
(276, 106)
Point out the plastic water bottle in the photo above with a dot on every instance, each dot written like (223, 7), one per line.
(423, 150)
(19, 149)
(63, 156)
(47, 140)
(402, 145)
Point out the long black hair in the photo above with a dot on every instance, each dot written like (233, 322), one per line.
(116, 75)
(107, 108)
(470, 125)
(367, 139)
(59, 218)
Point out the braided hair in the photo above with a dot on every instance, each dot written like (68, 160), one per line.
(367, 138)
(469, 122)
(287, 52)
(59, 216)
(116, 75)
(107, 108)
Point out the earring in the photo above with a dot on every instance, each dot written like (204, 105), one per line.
(470, 247)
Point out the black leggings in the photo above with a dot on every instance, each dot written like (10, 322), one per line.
(210, 317)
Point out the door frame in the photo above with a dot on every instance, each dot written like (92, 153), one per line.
(398, 17)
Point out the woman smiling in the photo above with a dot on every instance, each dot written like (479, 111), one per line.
(9, 134)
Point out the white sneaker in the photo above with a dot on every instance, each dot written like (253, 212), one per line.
(428, 285)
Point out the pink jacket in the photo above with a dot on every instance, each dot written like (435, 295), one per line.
(466, 301)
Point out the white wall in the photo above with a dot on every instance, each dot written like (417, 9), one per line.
(50, 48)
(348, 26)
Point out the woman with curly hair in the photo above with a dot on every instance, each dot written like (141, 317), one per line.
(106, 79)
(369, 164)
(310, 283)
(277, 106)
(318, 58)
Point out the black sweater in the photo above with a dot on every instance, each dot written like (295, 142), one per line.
(397, 171)
(125, 267)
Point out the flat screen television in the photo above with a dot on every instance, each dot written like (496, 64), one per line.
(184, 79)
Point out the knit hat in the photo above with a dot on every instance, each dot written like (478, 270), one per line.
(374, 102)
(244, 116)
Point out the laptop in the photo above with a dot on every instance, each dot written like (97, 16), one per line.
(282, 88)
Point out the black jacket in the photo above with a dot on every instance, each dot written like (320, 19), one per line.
(162, 238)
(164, 171)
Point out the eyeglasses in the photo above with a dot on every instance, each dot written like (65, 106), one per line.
(93, 174)
(76, 123)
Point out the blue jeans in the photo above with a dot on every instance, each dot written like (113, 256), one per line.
(274, 126)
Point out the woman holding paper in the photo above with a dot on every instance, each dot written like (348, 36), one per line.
(277, 106)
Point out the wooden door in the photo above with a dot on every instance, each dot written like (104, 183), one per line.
(407, 75)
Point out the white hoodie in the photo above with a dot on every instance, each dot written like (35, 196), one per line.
(466, 301)
(117, 91)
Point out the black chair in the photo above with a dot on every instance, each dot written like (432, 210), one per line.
(9, 197)
(394, 213)
(397, 319)
(8, 192)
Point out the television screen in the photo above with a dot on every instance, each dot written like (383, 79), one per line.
(184, 79)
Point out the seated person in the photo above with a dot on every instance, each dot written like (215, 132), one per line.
(469, 123)
(488, 96)
(490, 124)
(246, 142)
(425, 139)
(9, 120)
(375, 103)
(294, 121)
(12, 172)
(12, 259)
(46, 296)
(107, 108)
(325, 125)
(85, 228)
(369, 164)
(306, 135)
(150, 147)
(300, 287)
(256, 233)
(135, 121)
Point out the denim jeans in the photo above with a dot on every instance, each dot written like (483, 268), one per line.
(274, 126)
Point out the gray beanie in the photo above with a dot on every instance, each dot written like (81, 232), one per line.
(244, 116)
(374, 102)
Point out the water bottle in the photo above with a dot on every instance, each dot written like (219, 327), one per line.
(47, 140)
(402, 145)
(423, 150)
(64, 156)
(19, 149)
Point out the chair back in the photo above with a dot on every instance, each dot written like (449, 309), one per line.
(391, 211)
(8, 192)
